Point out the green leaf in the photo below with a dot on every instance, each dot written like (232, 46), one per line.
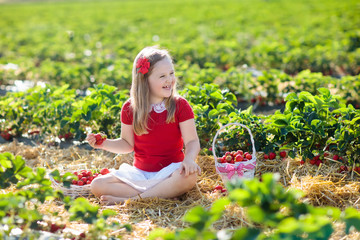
(316, 122)
(195, 215)
(108, 213)
(160, 233)
(256, 214)
(352, 219)
(325, 92)
(214, 113)
(280, 123)
(219, 205)
(239, 195)
(19, 163)
(246, 234)
(216, 96)
(5, 163)
(355, 121)
(291, 96)
(289, 225)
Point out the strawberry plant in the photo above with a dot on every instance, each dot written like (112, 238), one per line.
(272, 212)
(306, 125)
(210, 105)
(20, 209)
(100, 110)
(239, 138)
(347, 135)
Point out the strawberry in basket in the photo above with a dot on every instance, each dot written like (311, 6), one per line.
(85, 177)
(235, 156)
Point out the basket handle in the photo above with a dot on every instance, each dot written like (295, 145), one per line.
(238, 124)
(53, 181)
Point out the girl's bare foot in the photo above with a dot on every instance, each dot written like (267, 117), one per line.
(111, 200)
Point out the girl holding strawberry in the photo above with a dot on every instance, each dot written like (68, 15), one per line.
(156, 124)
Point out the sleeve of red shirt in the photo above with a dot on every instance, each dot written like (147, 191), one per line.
(185, 111)
(126, 113)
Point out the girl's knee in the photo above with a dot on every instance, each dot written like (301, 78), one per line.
(97, 184)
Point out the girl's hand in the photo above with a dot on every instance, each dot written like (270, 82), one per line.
(189, 167)
(92, 141)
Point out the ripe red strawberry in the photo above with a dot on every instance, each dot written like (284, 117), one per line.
(228, 158)
(84, 179)
(104, 171)
(336, 157)
(218, 187)
(312, 161)
(6, 135)
(239, 158)
(283, 154)
(316, 158)
(54, 228)
(249, 157)
(88, 182)
(302, 162)
(240, 152)
(67, 135)
(100, 138)
(80, 183)
(318, 162)
(74, 182)
(343, 168)
(266, 156)
(272, 156)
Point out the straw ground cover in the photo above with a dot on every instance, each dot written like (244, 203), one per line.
(323, 186)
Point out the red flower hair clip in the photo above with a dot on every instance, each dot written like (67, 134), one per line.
(143, 64)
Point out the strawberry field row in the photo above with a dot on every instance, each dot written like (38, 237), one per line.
(309, 125)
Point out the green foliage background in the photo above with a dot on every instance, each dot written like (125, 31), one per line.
(52, 40)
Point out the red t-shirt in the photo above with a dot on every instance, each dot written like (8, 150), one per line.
(163, 144)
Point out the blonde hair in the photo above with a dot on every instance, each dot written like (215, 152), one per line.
(140, 91)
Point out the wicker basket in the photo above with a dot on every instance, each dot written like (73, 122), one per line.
(240, 170)
(74, 191)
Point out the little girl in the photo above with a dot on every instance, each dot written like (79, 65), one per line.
(156, 124)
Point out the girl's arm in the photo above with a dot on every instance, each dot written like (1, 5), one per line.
(192, 147)
(122, 145)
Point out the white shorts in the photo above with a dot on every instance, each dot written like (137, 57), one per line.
(142, 180)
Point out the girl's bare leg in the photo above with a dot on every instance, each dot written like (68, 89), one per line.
(118, 192)
(171, 187)
(110, 185)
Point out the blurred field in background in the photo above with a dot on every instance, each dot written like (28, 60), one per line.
(83, 43)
